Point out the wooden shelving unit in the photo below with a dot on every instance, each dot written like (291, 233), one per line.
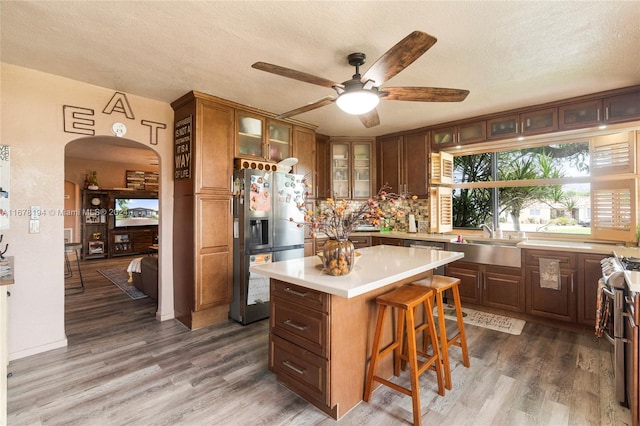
(100, 238)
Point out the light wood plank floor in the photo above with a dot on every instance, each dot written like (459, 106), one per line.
(122, 367)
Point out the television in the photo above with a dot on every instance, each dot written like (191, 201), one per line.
(130, 212)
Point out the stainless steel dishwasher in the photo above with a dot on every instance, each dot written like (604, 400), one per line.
(433, 245)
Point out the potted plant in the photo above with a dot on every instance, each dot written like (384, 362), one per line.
(93, 181)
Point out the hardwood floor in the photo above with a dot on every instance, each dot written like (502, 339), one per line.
(122, 366)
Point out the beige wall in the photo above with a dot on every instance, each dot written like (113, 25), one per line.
(31, 118)
(110, 175)
(71, 203)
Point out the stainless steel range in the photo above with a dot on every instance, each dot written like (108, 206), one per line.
(617, 321)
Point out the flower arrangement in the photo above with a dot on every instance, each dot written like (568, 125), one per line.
(339, 218)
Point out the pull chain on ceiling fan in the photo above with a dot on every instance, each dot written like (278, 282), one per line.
(360, 95)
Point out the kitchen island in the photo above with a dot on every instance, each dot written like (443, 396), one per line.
(321, 326)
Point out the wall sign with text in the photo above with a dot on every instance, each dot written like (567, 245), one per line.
(183, 149)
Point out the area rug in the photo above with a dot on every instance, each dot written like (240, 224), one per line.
(120, 278)
(484, 319)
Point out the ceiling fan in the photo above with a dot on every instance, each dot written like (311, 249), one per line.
(361, 94)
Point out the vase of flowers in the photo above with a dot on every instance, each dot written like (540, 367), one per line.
(337, 219)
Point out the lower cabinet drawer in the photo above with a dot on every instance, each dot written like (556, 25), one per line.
(300, 370)
(305, 327)
(300, 295)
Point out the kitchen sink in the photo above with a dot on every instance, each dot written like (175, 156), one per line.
(496, 252)
(507, 243)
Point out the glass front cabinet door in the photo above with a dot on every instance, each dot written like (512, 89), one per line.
(361, 170)
(340, 176)
(461, 134)
(580, 115)
(351, 175)
(528, 123)
(249, 138)
(622, 108)
(279, 141)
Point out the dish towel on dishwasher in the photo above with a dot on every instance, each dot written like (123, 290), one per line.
(602, 311)
(550, 273)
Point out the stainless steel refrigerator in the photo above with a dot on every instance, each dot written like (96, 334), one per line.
(263, 204)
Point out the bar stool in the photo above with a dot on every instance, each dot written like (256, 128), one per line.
(439, 284)
(406, 299)
(73, 248)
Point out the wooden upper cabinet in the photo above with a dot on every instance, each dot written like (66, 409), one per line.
(415, 152)
(403, 163)
(340, 170)
(471, 132)
(580, 115)
(527, 123)
(250, 131)
(304, 149)
(595, 112)
(389, 162)
(352, 161)
(622, 108)
(278, 141)
(213, 148)
(503, 127)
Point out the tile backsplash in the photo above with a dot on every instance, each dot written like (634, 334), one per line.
(419, 208)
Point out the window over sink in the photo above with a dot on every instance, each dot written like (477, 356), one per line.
(581, 186)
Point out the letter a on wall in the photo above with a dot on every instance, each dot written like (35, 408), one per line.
(119, 103)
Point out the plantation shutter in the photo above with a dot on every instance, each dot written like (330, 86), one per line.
(440, 209)
(613, 154)
(441, 168)
(613, 210)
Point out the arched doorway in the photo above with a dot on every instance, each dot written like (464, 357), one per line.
(113, 162)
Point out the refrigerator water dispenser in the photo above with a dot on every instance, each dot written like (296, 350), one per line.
(258, 232)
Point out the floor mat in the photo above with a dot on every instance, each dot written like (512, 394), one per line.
(485, 319)
(120, 278)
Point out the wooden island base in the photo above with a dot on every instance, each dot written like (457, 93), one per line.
(319, 344)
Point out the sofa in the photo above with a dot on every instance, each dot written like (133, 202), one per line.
(149, 272)
(146, 280)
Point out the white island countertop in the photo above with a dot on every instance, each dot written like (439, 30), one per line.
(378, 266)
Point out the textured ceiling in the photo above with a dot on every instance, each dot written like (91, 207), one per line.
(508, 54)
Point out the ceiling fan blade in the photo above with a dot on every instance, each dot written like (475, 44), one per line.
(399, 57)
(309, 107)
(370, 119)
(296, 75)
(423, 94)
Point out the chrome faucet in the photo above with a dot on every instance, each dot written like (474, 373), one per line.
(541, 227)
(489, 229)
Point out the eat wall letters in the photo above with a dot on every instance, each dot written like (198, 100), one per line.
(80, 120)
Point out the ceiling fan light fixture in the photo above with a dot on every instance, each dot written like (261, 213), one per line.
(357, 102)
